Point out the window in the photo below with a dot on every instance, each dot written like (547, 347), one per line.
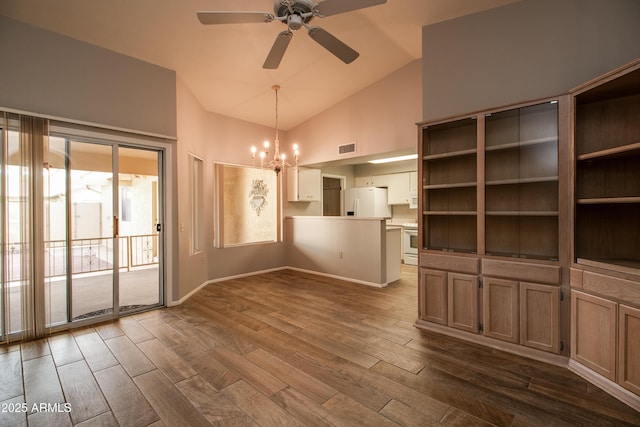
(196, 174)
(247, 205)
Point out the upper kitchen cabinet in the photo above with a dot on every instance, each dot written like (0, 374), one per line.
(304, 184)
(398, 185)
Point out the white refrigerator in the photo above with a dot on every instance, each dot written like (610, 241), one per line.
(367, 202)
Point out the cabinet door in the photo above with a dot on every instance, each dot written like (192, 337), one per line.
(413, 181)
(398, 189)
(432, 296)
(309, 184)
(463, 302)
(593, 333)
(500, 309)
(540, 316)
(629, 349)
(364, 181)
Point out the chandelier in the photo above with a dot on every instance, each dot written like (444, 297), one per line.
(279, 160)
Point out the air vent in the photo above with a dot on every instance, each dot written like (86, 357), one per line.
(347, 148)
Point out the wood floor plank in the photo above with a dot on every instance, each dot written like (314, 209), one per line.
(169, 403)
(48, 419)
(208, 368)
(216, 408)
(129, 355)
(10, 375)
(13, 418)
(34, 349)
(167, 361)
(64, 349)
(95, 351)
(314, 389)
(344, 411)
(248, 371)
(41, 383)
(103, 420)
(306, 411)
(403, 415)
(81, 391)
(133, 329)
(127, 403)
(261, 409)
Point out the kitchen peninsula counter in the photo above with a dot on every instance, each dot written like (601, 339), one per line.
(359, 249)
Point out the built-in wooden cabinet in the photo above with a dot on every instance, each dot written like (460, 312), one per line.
(541, 203)
(607, 148)
(490, 193)
(605, 270)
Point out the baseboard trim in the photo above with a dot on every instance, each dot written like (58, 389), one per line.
(615, 390)
(334, 276)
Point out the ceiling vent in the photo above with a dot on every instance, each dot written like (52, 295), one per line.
(347, 148)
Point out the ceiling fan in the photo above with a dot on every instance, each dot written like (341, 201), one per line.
(295, 14)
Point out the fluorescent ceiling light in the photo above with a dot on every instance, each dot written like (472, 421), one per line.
(395, 159)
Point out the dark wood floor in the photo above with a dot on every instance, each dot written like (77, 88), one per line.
(286, 349)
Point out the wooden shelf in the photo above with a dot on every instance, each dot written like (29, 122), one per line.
(451, 185)
(611, 152)
(522, 213)
(459, 153)
(608, 200)
(451, 213)
(521, 144)
(522, 180)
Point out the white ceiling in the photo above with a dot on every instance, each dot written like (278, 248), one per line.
(222, 65)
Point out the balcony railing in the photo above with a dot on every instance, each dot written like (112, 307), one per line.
(87, 255)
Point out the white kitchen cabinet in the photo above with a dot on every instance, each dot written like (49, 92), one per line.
(398, 188)
(413, 181)
(304, 184)
(372, 181)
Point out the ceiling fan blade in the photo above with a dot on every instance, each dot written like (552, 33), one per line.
(277, 50)
(333, 45)
(334, 7)
(214, 18)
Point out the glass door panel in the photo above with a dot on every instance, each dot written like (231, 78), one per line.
(55, 232)
(139, 216)
(17, 197)
(92, 229)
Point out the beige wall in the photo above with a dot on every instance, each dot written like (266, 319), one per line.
(50, 74)
(213, 138)
(524, 51)
(380, 118)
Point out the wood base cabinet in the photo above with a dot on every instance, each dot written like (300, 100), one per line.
(629, 348)
(449, 299)
(521, 312)
(594, 332)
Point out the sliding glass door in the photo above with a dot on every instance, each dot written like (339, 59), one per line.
(81, 234)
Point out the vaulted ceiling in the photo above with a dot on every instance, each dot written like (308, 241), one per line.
(222, 65)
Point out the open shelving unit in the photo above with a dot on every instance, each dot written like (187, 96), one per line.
(449, 186)
(607, 146)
